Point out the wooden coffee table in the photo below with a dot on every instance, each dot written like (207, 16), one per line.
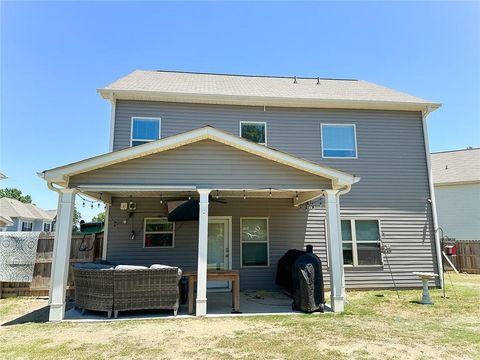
(224, 275)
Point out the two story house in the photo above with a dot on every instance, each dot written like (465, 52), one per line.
(275, 163)
(18, 216)
(456, 177)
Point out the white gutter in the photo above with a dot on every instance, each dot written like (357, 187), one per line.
(425, 113)
(252, 100)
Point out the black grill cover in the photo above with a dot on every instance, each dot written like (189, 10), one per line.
(308, 288)
(284, 269)
(299, 273)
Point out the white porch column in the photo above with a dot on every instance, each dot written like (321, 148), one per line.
(61, 254)
(105, 231)
(201, 309)
(335, 252)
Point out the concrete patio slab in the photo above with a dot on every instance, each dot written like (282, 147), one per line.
(219, 304)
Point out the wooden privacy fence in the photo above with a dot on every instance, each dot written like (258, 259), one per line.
(84, 249)
(468, 256)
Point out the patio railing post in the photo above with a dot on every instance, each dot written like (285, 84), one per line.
(201, 308)
(61, 254)
(335, 253)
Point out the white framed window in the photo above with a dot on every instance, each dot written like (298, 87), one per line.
(255, 131)
(144, 129)
(47, 227)
(339, 141)
(27, 226)
(361, 242)
(158, 232)
(254, 242)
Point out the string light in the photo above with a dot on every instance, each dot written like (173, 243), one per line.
(161, 199)
(91, 202)
(244, 195)
(270, 192)
(189, 197)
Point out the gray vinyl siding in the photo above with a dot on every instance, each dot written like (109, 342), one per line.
(289, 228)
(391, 163)
(37, 225)
(206, 163)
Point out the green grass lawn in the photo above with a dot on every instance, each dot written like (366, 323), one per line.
(375, 325)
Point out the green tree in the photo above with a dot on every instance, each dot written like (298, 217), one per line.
(13, 193)
(99, 217)
(77, 216)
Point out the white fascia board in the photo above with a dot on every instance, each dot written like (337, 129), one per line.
(133, 188)
(471, 182)
(123, 94)
(61, 174)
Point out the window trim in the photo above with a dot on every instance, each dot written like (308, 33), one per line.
(145, 118)
(254, 122)
(354, 242)
(46, 223)
(355, 140)
(26, 222)
(158, 232)
(255, 242)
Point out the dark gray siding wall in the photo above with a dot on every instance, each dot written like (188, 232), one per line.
(289, 228)
(205, 163)
(391, 163)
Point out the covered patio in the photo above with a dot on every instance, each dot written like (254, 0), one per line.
(219, 305)
(207, 165)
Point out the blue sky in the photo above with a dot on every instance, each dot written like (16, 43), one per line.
(55, 55)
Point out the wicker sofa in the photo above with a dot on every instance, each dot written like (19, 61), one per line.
(103, 288)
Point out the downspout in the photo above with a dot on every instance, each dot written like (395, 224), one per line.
(113, 101)
(425, 113)
(53, 188)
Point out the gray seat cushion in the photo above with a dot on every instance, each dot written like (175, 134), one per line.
(130, 267)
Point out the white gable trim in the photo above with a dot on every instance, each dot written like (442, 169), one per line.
(60, 175)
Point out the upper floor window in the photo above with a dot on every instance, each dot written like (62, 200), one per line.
(144, 130)
(339, 141)
(254, 131)
(27, 226)
(361, 242)
(47, 227)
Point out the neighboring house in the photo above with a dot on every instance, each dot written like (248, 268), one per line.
(456, 176)
(4, 219)
(24, 217)
(53, 215)
(276, 163)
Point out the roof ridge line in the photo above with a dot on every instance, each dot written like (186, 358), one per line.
(249, 75)
(456, 150)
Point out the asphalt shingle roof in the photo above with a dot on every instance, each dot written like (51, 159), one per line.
(16, 209)
(456, 166)
(201, 84)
